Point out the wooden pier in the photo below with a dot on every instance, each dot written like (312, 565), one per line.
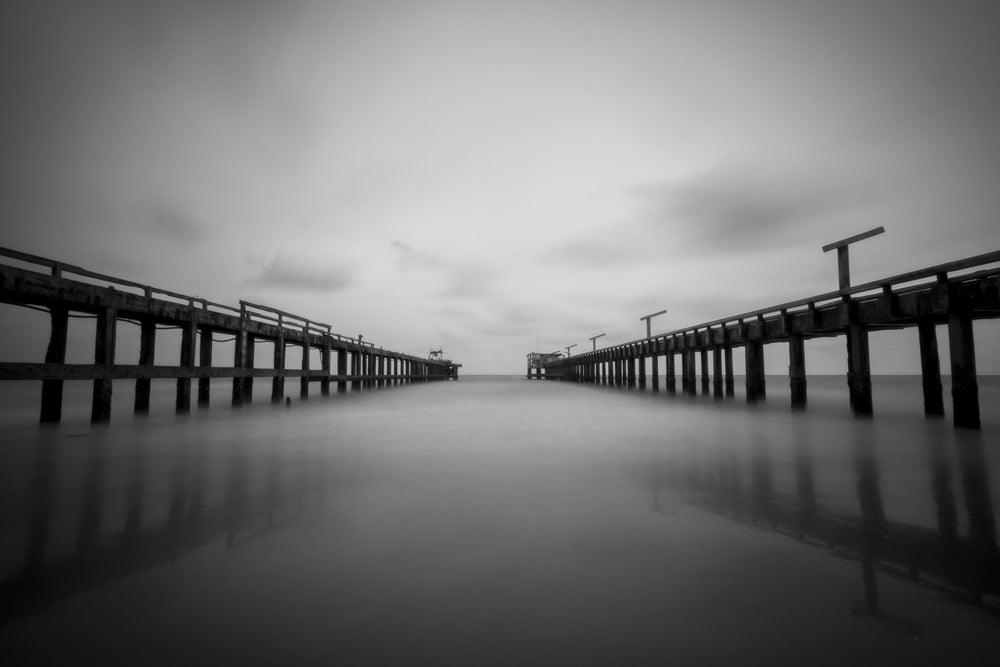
(953, 294)
(343, 360)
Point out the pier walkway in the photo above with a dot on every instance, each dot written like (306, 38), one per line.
(358, 362)
(953, 294)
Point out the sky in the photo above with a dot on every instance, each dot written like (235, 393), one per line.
(493, 178)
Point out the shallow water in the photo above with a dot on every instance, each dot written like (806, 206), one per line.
(497, 520)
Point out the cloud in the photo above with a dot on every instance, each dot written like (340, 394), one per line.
(409, 258)
(462, 279)
(169, 222)
(299, 273)
(737, 207)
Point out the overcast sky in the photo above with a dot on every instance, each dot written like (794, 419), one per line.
(479, 176)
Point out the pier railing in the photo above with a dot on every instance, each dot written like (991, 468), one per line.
(358, 362)
(955, 293)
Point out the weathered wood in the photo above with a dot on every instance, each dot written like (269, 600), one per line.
(104, 355)
(964, 385)
(717, 372)
(727, 354)
(690, 372)
(859, 375)
(341, 370)
(188, 337)
(304, 383)
(55, 353)
(239, 361)
(671, 372)
(324, 362)
(797, 370)
(147, 356)
(205, 361)
(656, 371)
(703, 353)
(278, 381)
(754, 351)
(930, 368)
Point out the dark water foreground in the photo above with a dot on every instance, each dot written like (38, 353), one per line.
(505, 521)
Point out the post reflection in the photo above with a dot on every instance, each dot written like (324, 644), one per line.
(778, 486)
(97, 508)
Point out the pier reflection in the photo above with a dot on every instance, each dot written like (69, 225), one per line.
(101, 505)
(839, 504)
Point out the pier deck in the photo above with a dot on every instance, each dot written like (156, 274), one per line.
(358, 362)
(953, 294)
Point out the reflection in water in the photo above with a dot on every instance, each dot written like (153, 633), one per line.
(982, 562)
(945, 558)
(513, 529)
(159, 481)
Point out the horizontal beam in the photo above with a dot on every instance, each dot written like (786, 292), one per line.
(39, 371)
(853, 239)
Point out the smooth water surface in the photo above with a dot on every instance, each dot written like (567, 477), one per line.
(498, 520)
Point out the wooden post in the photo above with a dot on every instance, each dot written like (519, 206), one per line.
(55, 353)
(104, 355)
(324, 361)
(755, 371)
(147, 354)
(642, 371)
(703, 353)
(671, 372)
(250, 363)
(278, 381)
(859, 377)
(239, 359)
(656, 370)
(717, 371)
(690, 371)
(355, 370)
(205, 361)
(797, 369)
(930, 368)
(304, 380)
(189, 331)
(964, 385)
(727, 356)
(341, 370)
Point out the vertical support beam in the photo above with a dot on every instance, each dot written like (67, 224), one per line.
(704, 370)
(304, 380)
(147, 354)
(189, 332)
(964, 385)
(671, 372)
(278, 381)
(205, 361)
(341, 370)
(642, 371)
(239, 362)
(690, 372)
(250, 363)
(843, 267)
(859, 374)
(55, 353)
(727, 356)
(717, 371)
(797, 369)
(355, 370)
(630, 366)
(324, 361)
(755, 371)
(104, 355)
(930, 368)
(655, 369)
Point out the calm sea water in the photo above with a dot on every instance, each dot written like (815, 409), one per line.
(501, 521)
